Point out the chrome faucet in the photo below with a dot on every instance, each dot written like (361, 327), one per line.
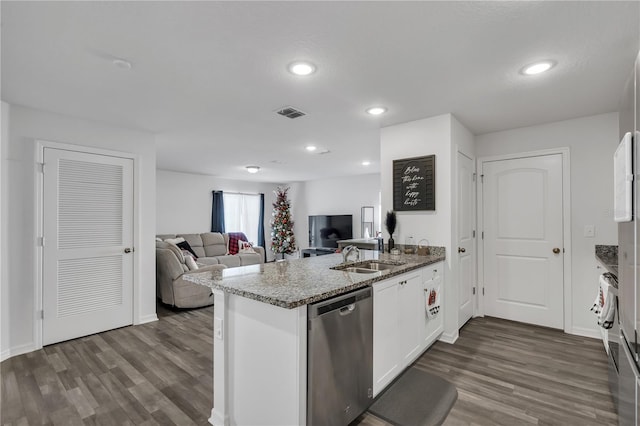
(347, 251)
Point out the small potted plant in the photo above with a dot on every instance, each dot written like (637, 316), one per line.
(390, 223)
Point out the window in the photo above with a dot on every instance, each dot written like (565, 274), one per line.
(242, 214)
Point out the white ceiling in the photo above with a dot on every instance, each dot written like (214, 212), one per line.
(208, 76)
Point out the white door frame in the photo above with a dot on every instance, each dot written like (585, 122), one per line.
(39, 227)
(566, 226)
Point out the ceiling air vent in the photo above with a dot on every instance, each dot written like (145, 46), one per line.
(291, 112)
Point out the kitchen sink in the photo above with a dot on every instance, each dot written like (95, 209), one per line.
(359, 270)
(368, 266)
(377, 266)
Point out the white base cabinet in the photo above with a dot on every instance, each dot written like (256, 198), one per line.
(402, 331)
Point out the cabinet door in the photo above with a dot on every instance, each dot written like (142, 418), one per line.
(386, 364)
(433, 327)
(411, 315)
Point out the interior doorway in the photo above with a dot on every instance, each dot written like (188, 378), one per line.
(466, 247)
(524, 213)
(87, 244)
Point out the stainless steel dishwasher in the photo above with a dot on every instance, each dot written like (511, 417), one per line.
(340, 358)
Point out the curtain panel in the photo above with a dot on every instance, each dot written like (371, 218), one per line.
(217, 212)
(261, 227)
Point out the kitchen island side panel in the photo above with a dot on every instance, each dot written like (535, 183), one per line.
(266, 363)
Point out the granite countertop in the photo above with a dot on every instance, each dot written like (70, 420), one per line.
(608, 256)
(297, 282)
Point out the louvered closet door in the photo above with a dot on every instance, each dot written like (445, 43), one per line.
(88, 215)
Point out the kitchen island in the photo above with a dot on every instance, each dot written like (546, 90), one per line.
(260, 328)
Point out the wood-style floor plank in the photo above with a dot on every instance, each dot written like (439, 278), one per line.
(160, 373)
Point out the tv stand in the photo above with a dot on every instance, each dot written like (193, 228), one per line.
(317, 251)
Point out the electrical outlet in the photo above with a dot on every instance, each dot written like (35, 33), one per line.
(589, 231)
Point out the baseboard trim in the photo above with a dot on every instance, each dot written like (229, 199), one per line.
(147, 318)
(449, 337)
(18, 350)
(586, 332)
(218, 419)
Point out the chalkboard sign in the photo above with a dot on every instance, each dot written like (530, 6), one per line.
(414, 185)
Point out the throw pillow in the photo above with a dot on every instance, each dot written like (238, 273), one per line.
(234, 237)
(186, 246)
(191, 263)
(245, 247)
(174, 240)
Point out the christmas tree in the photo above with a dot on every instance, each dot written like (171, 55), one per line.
(282, 238)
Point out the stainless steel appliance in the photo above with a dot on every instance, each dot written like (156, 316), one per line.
(628, 259)
(340, 358)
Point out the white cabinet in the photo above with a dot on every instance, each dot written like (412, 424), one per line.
(386, 362)
(401, 328)
(410, 317)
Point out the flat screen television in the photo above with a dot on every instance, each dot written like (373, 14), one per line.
(326, 230)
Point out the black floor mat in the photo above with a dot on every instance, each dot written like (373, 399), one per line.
(417, 398)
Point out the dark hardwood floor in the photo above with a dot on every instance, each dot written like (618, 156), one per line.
(161, 373)
(509, 373)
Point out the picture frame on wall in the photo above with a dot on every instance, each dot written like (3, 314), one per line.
(414, 186)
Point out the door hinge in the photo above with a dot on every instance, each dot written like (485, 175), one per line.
(474, 291)
(42, 314)
(483, 291)
(473, 234)
(474, 177)
(481, 178)
(483, 235)
(41, 242)
(41, 167)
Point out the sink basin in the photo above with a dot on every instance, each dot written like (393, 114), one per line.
(377, 266)
(358, 270)
(368, 266)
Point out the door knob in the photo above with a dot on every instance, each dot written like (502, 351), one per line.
(128, 250)
(461, 250)
(556, 250)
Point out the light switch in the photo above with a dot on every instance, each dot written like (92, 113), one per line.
(589, 231)
(217, 328)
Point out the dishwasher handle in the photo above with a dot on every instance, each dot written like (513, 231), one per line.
(347, 309)
(344, 304)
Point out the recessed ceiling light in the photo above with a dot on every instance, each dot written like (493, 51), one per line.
(538, 67)
(302, 68)
(311, 148)
(366, 163)
(122, 63)
(377, 110)
(253, 169)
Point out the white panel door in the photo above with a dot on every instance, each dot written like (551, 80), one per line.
(88, 236)
(466, 246)
(523, 234)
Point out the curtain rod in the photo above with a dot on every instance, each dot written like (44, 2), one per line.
(241, 193)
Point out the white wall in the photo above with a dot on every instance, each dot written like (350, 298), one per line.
(4, 294)
(18, 195)
(417, 138)
(184, 200)
(341, 195)
(592, 142)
